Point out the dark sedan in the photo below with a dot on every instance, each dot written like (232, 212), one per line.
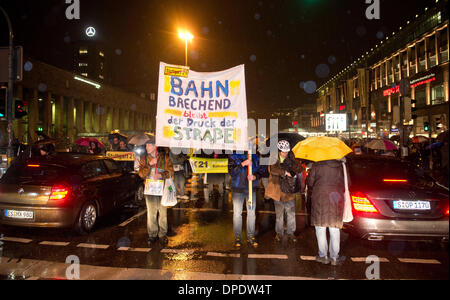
(64, 190)
(393, 199)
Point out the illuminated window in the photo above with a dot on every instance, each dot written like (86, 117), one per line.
(83, 51)
(101, 54)
(82, 64)
(84, 74)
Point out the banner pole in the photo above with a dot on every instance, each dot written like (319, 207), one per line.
(250, 185)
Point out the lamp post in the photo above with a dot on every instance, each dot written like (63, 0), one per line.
(186, 36)
(9, 110)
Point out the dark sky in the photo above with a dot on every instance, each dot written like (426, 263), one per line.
(283, 43)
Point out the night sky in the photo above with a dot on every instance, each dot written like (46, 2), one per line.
(288, 46)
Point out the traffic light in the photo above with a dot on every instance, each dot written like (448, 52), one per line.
(426, 126)
(2, 103)
(19, 109)
(413, 109)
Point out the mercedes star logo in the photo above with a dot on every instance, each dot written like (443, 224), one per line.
(90, 31)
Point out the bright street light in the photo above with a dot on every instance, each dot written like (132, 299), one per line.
(186, 36)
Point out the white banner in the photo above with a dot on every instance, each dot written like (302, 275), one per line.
(202, 110)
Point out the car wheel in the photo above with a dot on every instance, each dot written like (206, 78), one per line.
(139, 197)
(87, 218)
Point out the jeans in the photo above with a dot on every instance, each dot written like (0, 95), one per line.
(153, 208)
(238, 201)
(180, 183)
(335, 240)
(280, 209)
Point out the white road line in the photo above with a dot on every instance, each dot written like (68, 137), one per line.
(217, 254)
(177, 251)
(15, 240)
(58, 244)
(132, 218)
(92, 246)
(419, 261)
(308, 258)
(134, 249)
(268, 256)
(363, 259)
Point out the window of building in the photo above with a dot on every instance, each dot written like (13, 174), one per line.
(437, 94)
(390, 75)
(432, 51)
(404, 64)
(421, 56)
(421, 97)
(83, 51)
(382, 75)
(443, 45)
(82, 64)
(396, 61)
(412, 61)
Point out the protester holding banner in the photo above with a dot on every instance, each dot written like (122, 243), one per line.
(238, 170)
(287, 167)
(155, 166)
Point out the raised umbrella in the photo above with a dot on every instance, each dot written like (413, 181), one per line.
(381, 144)
(321, 149)
(141, 139)
(419, 139)
(86, 142)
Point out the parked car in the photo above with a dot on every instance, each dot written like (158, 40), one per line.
(393, 199)
(64, 190)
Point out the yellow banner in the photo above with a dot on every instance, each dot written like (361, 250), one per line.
(121, 156)
(209, 165)
(176, 71)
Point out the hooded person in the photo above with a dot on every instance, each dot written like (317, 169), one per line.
(156, 166)
(285, 166)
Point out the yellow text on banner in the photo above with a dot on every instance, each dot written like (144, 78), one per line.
(121, 156)
(209, 165)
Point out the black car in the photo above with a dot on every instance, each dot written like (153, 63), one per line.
(64, 190)
(393, 199)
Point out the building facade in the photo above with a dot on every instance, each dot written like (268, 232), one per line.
(67, 106)
(368, 90)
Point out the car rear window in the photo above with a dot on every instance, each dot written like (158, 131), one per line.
(39, 174)
(378, 171)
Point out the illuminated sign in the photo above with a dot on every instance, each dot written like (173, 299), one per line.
(336, 122)
(90, 31)
(415, 83)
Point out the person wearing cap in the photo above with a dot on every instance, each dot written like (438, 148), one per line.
(156, 228)
(286, 165)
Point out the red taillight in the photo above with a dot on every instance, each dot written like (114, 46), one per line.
(33, 166)
(395, 180)
(362, 204)
(59, 193)
(446, 212)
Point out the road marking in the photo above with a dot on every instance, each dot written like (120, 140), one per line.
(177, 251)
(15, 240)
(419, 261)
(216, 254)
(59, 244)
(268, 256)
(134, 249)
(132, 218)
(92, 246)
(308, 258)
(363, 259)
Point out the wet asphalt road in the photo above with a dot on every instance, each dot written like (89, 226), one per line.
(201, 247)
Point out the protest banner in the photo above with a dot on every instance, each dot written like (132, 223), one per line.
(209, 165)
(121, 156)
(202, 110)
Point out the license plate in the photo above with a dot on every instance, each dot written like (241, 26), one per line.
(412, 205)
(19, 214)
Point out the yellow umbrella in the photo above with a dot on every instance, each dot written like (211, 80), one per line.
(321, 149)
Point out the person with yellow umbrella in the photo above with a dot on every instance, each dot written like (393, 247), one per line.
(327, 182)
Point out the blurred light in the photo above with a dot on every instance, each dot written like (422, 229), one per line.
(185, 35)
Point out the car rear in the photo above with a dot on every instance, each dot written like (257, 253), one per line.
(36, 195)
(392, 199)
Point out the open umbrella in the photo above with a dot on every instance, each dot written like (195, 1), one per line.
(117, 134)
(86, 142)
(141, 138)
(380, 144)
(292, 137)
(321, 149)
(419, 139)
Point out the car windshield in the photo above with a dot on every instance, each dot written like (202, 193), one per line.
(37, 174)
(389, 171)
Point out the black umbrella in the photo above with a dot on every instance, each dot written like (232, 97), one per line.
(292, 137)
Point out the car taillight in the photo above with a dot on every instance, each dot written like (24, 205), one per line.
(395, 180)
(33, 166)
(446, 212)
(59, 193)
(362, 204)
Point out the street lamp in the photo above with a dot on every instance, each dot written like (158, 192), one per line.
(186, 36)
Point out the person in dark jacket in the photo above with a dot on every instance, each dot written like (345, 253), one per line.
(326, 183)
(238, 170)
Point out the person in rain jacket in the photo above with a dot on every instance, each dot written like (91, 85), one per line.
(326, 183)
(286, 165)
(164, 169)
(238, 170)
